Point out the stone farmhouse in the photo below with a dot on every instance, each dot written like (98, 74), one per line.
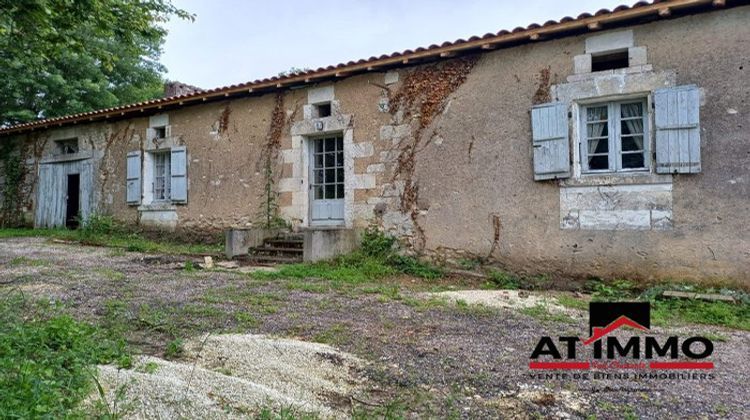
(610, 144)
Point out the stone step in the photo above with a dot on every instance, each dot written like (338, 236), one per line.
(281, 250)
(284, 243)
(274, 259)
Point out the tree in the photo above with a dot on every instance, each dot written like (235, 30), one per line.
(59, 57)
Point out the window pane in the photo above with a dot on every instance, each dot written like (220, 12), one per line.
(339, 158)
(634, 143)
(631, 110)
(318, 161)
(340, 143)
(598, 146)
(340, 191)
(330, 192)
(318, 146)
(330, 145)
(330, 160)
(632, 160)
(318, 192)
(596, 113)
(330, 176)
(599, 162)
(340, 175)
(597, 130)
(319, 176)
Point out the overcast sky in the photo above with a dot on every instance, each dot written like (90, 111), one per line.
(235, 41)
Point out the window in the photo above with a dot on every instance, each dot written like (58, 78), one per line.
(160, 132)
(614, 137)
(328, 168)
(162, 176)
(322, 110)
(67, 146)
(610, 61)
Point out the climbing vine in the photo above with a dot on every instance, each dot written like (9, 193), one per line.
(269, 160)
(423, 96)
(13, 175)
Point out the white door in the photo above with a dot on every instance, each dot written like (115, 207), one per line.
(327, 180)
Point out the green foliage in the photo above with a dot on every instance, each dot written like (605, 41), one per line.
(616, 290)
(503, 280)
(376, 244)
(46, 359)
(103, 231)
(10, 195)
(175, 349)
(61, 57)
(414, 267)
(666, 312)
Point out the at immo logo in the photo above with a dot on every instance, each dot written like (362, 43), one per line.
(640, 351)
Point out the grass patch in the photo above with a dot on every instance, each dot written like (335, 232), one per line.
(27, 262)
(573, 303)
(47, 360)
(110, 274)
(497, 279)
(104, 231)
(175, 349)
(375, 260)
(336, 335)
(542, 313)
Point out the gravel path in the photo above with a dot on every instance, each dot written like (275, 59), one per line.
(424, 359)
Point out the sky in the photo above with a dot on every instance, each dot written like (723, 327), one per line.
(236, 41)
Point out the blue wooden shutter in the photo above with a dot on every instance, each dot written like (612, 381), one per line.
(179, 174)
(133, 178)
(678, 140)
(549, 129)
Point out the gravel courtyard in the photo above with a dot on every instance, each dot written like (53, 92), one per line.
(421, 355)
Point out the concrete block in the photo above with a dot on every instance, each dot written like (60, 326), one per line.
(637, 56)
(320, 94)
(239, 241)
(391, 77)
(615, 220)
(386, 132)
(323, 244)
(609, 41)
(582, 64)
(363, 181)
(158, 217)
(375, 168)
(359, 150)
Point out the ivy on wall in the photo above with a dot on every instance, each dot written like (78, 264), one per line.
(13, 173)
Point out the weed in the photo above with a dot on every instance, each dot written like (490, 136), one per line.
(503, 280)
(45, 360)
(376, 244)
(175, 349)
(469, 263)
(245, 320)
(189, 266)
(110, 274)
(148, 367)
(287, 412)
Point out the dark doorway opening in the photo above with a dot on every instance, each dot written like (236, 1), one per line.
(73, 201)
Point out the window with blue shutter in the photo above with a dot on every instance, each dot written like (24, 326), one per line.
(677, 123)
(133, 178)
(549, 128)
(179, 174)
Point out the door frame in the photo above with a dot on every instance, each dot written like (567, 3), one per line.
(310, 145)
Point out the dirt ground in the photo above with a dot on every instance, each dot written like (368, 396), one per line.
(425, 356)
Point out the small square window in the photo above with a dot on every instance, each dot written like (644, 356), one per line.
(322, 110)
(160, 132)
(610, 61)
(67, 146)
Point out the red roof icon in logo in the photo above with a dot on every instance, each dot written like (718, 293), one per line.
(622, 321)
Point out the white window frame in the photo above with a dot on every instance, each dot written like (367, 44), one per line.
(614, 136)
(166, 174)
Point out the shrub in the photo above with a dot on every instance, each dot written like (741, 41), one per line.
(46, 360)
(502, 280)
(175, 349)
(376, 244)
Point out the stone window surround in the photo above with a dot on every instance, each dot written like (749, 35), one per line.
(156, 211)
(634, 200)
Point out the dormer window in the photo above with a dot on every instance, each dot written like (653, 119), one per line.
(67, 146)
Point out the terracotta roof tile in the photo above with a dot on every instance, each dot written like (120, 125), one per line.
(622, 14)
